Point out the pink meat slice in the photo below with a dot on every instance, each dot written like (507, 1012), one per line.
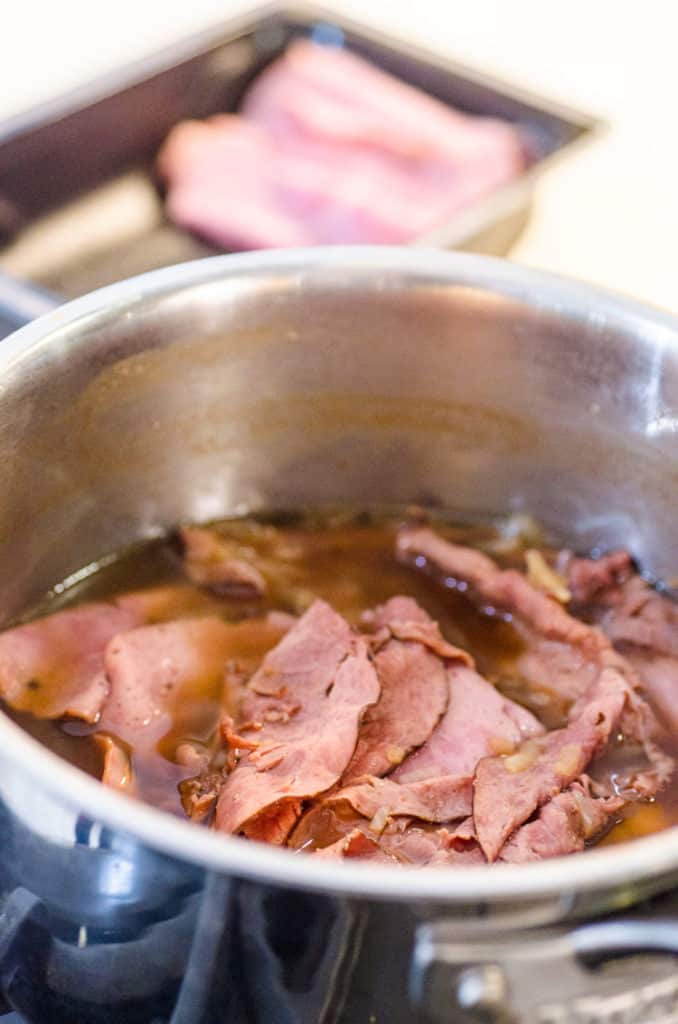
(604, 695)
(330, 149)
(659, 675)
(434, 783)
(155, 670)
(54, 666)
(558, 661)
(564, 825)
(494, 587)
(584, 651)
(478, 721)
(588, 578)
(632, 612)
(355, 844)
(640, 621)
(414, 688)
(214, 562)
(331, 94)
(507, 790)
(420, 845)
(286, 196)
(437, 799)
(303, 710)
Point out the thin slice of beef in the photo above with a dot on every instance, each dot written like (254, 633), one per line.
(445, 798)
(492, 587)
(564, 825)
(183, 674)
(414, 688)
(479, 721)
(420, 845)
(356, 844)
(633, 612)
(407, 842)
(601, 689)
(555, 663)
(303, 707)
(641, 622)
(659, 676)
(588, 578)
(217, 563)
(508, 789)
(156, 672)
(562, 653)
(434, 783)
(54, 666)
(328, 149)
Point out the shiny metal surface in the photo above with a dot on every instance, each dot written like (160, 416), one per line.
(361, 375)
(549, 977)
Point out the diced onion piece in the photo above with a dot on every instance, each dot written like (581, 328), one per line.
(523, 758)
(568, 760)
(542, 576)
(501, 745)
(379, 821)
(395, 755)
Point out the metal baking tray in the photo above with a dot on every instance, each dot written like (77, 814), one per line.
(80, 205)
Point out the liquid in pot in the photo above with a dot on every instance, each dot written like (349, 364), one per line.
(349, 561)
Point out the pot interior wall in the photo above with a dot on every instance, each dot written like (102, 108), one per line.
(323, 384)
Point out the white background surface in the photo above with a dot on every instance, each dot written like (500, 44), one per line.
(610, 214)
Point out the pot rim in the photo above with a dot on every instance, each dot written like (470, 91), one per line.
(652, 857)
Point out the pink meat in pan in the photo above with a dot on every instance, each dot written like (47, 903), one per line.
(302, 713)
(329, 149)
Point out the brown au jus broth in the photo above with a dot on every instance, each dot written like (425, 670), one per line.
(346, 558)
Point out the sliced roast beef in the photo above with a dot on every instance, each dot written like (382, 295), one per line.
(494, 588)
(420, 845)
(329, 149)
(508, 789)
(659, 676)
(156, 670)
(414, 688)
(479, 721)
(556, 663)
(564, 825)
(55, 666)
(356, 844)
(434, 783)
(303, 708)
(445, 798)
(633, 612)
(640, 621)
(562, 653)
(588, 578)
(217, 563)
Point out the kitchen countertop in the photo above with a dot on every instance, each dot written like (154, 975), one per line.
(608, 214)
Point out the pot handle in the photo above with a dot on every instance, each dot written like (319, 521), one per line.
(548, 976)
(21, 302)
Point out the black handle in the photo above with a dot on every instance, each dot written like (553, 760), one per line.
(21, 302)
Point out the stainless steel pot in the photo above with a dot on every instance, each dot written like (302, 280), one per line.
(286, 378)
